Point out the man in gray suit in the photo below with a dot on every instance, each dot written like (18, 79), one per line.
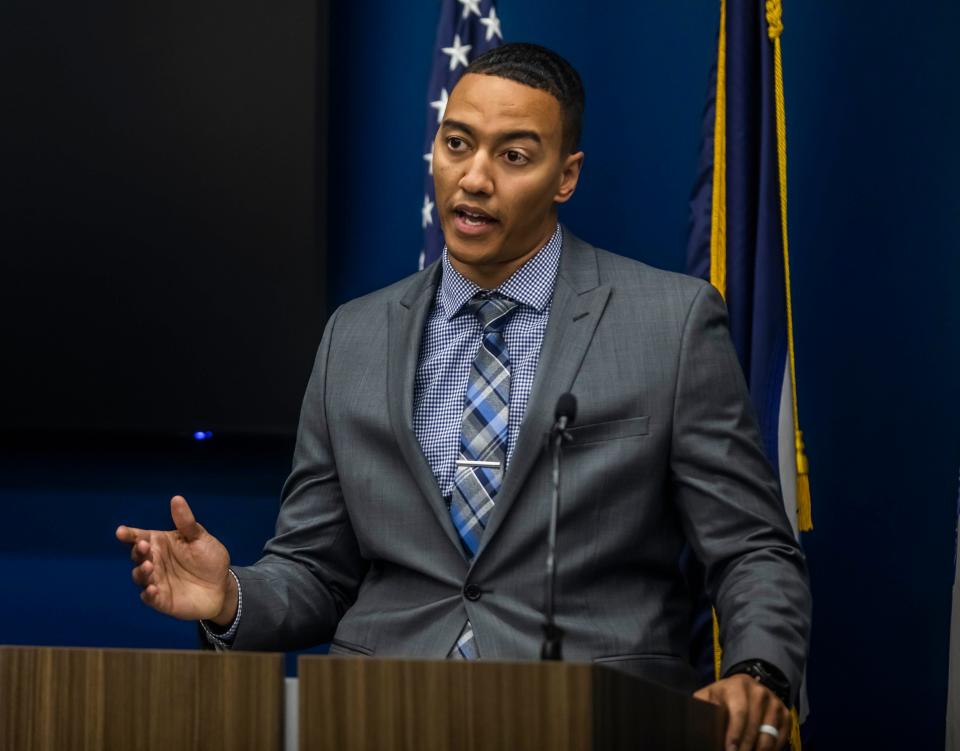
(414, 521)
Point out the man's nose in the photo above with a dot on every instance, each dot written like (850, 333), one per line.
(477, 178)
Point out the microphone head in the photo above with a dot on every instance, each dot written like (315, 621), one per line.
(566, 407)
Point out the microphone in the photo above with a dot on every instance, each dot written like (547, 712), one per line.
(564, 415)
(565, 411)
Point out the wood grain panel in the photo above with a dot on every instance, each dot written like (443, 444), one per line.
(139, 700)
(631, 714)
(361, 704)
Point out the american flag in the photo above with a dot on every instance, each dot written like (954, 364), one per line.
(467, 28)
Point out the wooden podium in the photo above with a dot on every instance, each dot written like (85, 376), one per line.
(152, 700)
(139, 700)
(351, 704)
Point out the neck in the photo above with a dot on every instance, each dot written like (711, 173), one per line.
(492, 275)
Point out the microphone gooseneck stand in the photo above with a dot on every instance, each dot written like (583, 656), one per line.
(552, 634)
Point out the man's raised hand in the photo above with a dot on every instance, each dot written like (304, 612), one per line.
(182, 572)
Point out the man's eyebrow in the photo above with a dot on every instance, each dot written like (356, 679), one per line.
(512, 135)
(517, 135)
(449, 124)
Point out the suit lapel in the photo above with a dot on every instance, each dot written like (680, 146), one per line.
(406, 320)
(577, 305)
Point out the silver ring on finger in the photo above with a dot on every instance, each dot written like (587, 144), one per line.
(769, 730)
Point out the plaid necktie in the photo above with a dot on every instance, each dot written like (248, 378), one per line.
(483, 438)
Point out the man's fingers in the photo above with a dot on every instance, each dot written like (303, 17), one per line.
(776, 716)
(141, 574)
(737, 703)
(129, 535)
(183, 519)
(766, 741)
(139, 551)
(149, 595)
(785, 726)
(749, 705)
(758, 699)
(707, 694)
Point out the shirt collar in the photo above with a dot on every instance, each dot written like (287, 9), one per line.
(531, 284)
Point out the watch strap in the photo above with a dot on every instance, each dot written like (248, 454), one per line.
(767, 675)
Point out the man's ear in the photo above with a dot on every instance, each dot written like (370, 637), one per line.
(569, 177)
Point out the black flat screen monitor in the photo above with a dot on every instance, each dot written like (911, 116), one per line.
(161, 213)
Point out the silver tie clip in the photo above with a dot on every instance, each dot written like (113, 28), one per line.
(477, 463)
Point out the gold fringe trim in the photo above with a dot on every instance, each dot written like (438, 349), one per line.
(717, 649)
(774, 14)
(718, 210)
(795, 743)
(804, 514)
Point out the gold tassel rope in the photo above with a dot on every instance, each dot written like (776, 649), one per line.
(717, 649)
(718, 210)
(718, 220)
(774, 14)
(718, 266)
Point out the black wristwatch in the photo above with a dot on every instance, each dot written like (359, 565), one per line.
(765, 674)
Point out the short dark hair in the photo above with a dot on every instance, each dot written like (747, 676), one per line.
(540, 68)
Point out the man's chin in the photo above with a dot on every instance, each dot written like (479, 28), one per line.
(472, 249)
(473, 255)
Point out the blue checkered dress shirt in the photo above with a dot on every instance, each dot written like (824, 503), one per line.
(450, 342)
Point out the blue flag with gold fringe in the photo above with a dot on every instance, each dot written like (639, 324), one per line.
(738, 235)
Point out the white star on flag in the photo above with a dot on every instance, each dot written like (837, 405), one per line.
(426, 213)
(458, 53)
(492, 23)
(440, 105)
(459, 39)
(470, 6)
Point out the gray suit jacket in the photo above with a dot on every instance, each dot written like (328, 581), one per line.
(665, 450)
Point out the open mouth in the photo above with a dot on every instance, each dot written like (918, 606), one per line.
(473, 217)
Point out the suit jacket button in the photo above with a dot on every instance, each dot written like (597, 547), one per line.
(472, 592)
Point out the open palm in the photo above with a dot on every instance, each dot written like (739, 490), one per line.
(183, 572)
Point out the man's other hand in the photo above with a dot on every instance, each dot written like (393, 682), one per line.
(183, 572)
(749, 705)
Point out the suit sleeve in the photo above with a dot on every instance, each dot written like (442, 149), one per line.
(729, 502)
(295, 595)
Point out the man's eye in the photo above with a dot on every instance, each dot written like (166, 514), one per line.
(515, 157)
(456, 144)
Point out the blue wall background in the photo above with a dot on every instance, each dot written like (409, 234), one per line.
(873, 119)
